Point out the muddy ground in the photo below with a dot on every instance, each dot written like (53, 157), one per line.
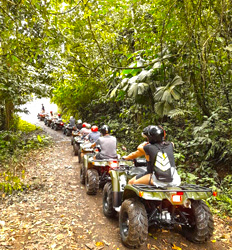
(56, 213)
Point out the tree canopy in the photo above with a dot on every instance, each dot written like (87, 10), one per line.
(129, 63)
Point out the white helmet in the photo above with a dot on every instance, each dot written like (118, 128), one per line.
(79, 121)
(88, 125)
(71, 117)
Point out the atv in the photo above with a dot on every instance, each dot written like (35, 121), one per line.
(142, 206)
(68, 129)
(85, 148)
(57, 124)
(77, 141)
(52, 124)
(94, 173)
(48, 121)
(41, 116)
(45, 118)
(74, 134)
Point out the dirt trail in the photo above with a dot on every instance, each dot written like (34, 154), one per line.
(56, 213)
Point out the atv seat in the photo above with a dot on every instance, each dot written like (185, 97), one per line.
(141, 162)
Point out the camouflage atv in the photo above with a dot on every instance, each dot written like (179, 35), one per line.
(142, 206)
(95, 173)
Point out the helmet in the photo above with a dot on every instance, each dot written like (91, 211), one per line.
(51, 112)
(94, 128)
(105, 129)
(58, 114)
(79, 121)
(145, 131)
(155, 134)
(71, 117)
(84, 125)
(88, 125)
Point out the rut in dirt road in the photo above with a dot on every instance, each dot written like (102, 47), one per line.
(56, 213)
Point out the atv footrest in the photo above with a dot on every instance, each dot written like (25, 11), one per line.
(183, 188)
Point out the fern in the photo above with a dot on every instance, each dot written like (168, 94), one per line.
(177, 112)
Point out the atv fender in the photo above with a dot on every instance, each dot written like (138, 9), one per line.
(87, 162)
(117, 186)
(158, 194)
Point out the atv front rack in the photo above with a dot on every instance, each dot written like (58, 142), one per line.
(102, 160)
(182, 188)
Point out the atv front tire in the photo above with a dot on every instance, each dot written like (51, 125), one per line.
(79, 156)
(108, 209)
(68, 132)
(75, 148)
(72, 141)
(82, 174)
(133, 223)
(201, 223)
(92, 181)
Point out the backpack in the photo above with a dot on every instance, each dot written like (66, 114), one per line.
(162, 166)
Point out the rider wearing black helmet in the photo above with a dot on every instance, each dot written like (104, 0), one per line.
(107, 143)
(156, 136)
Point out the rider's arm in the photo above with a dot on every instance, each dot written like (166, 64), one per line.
(133, 155)
(139, 152)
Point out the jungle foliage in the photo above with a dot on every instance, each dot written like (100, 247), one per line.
(14, 146)
(128, 64)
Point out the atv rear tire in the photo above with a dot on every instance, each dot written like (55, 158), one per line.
(75, 148)
(72, 141)
(79, 156)
(133, 223)
(55, 127)
(201, 223)
(82, 174)
(92, 181)
(108, 209)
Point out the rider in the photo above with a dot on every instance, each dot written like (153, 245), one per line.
(72, 121)
(107, 143)
(85, 130)
(140, 151)
(94, 135)
(156, 136)
(43, 109)
(79, 124)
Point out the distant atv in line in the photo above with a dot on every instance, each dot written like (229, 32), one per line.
(41, 116)
(142, 206)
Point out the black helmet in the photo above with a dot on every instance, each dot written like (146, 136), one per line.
(155, 134)
(145, 131)
(105, 129)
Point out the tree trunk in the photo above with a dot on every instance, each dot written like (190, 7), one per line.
(9, 109)
(199, 95)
